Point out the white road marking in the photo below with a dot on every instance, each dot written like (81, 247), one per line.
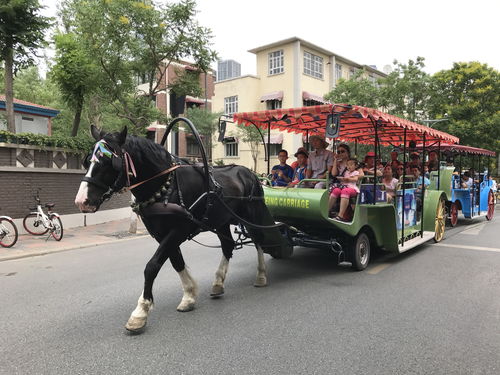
(378, 268)
(467, 247)
(475, 230)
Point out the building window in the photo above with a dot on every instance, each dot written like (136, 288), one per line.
(231, 148)
(192, 147)
(274, 148)
(352, 72)
(276, 62)
(28, 118)
(338, 71)
(313, 65)
(230, 105)
(274, 104)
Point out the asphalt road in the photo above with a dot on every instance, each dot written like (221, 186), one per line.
(433, 310)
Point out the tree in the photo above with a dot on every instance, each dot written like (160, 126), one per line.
(251, 135)
(129, 40)
(468, 94)
(206, 124)
(358, 90)
(22, 31)
(405, 91)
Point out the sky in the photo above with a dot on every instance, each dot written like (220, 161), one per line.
(367, 32)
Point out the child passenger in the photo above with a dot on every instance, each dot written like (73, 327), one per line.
(299, 172)
(348, 189)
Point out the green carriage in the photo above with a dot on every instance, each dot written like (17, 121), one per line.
(395, 226)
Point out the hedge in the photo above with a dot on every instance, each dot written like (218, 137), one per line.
(72, 143)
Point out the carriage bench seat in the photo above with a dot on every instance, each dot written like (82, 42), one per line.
(366, 194)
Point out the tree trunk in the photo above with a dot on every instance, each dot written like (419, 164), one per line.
(76, 120)
(9, 91)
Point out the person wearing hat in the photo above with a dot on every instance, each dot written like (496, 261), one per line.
(320, 160)
(301, 168)
(295, 164)
(415, 160)
(369, 168)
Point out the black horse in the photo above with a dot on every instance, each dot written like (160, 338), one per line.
(171, 200)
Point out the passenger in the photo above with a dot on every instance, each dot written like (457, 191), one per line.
(349, 189)
(320, 160)
(415, 160)
(426, 171)
(466, 181)
(296, 162)
(395, 163)
(301, 169)
(419, 180)
(370, 164)
(433, 162)
(282, 173)
(340, 160)
(389, 182)
(398, 172)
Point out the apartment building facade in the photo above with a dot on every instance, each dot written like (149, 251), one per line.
(290, 73)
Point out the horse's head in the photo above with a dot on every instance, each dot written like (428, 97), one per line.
(105, 170)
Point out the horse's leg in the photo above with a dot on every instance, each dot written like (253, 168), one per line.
(227, 244)
(189, 286)
(139, 316)
(261, 279)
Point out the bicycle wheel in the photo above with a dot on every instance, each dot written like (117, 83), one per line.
(34, 225)
(57, 227)
(8, 232)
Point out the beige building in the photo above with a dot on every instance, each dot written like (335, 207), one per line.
(290, 73)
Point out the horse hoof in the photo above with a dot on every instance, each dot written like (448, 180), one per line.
(135, 324)
(185, 306)
(217, 291)
(260, 282)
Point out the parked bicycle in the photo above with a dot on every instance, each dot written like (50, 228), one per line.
(38, 223)
(8, 232)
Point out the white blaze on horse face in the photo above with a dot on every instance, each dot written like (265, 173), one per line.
(82, 195)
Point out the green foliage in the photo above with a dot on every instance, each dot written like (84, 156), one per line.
(22, 30)
(469, 95)
(187, 82)
(81, 144)
(251, 135)
(129, 39)
(405, 91)
(206, 122)
(358, 90)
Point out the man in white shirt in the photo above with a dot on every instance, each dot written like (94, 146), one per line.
(320, 161)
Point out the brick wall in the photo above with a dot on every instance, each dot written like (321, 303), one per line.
(57, 187)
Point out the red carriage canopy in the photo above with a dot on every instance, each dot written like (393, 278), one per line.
(357, 124)
(459, 149)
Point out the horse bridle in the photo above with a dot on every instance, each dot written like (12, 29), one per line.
(120, 162)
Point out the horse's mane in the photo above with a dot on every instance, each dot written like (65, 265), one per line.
(145, 150)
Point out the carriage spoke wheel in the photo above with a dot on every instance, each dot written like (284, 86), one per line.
(8, 233)
(361, 252)
(440, 221)
(491, 206)
(453, 214)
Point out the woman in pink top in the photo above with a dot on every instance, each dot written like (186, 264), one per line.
(348, 190)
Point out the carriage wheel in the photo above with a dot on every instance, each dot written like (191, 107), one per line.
(491, 206)
(361, 252)
(440, 221)
(453, 214)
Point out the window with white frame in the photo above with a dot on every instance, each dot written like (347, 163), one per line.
(276, 62)
(231, 105)
(274, 104)
(313, 65)
(338, 71)
(231, 148)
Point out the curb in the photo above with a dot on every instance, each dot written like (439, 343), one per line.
(34, 253)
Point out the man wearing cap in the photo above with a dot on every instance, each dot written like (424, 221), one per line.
(320, 161)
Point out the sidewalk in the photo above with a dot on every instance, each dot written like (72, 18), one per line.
(73, 238)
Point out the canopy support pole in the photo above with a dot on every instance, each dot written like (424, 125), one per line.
(404, 192)
(375, 123)
(439, 165)
(268, 147)
(422, 193)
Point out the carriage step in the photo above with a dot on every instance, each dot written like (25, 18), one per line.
(410, 244)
